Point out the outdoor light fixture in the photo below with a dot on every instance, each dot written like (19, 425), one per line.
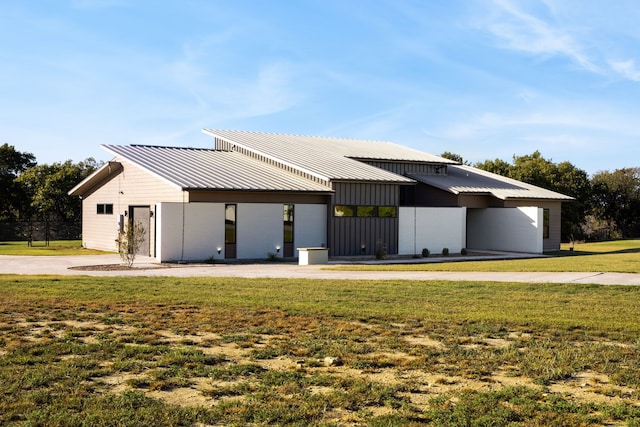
(363, 247)
(278, 248)
(219, 250)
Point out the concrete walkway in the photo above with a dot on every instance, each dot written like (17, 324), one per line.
(73, 265)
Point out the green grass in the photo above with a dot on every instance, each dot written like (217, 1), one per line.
(39, 248)
(621, 256)
(258, 347)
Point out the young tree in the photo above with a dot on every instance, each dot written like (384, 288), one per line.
(129, 240)
(13, 198)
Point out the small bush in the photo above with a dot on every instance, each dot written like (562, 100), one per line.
(445, 251)
(425, 252)
(463, 251)
(381, 250)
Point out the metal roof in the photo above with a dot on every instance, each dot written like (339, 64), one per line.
(469, 180)
(208, 169)
(329, 158)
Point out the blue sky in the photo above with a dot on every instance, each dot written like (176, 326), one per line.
(485, 79)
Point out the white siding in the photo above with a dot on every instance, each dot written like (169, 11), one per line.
(506, 229)
(431, 228)
(259, 229)
(132, 186)
(310, 226)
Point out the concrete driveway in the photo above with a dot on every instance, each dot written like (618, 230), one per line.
(84, 265)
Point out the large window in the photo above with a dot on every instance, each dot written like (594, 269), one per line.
(104, 209)
(545, 223)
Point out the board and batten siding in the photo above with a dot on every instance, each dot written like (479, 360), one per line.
(132, 186)
(350, 236)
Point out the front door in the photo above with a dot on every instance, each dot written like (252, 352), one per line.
(142, 215)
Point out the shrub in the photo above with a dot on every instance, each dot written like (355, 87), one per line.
(129, 240)
(463, 251)
(445, 251)
(425, 252)
(381, 250)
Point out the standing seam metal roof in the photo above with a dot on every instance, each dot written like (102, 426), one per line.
(329, 158)
(195, 168)
(469, 180)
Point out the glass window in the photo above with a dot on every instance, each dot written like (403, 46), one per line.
(341, 210)
(288, 223)
(366, 211)
(230, 224)
(545, 223)
(104, 208)
(387, 211)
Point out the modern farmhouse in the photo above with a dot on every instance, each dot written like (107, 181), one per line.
(254, 194)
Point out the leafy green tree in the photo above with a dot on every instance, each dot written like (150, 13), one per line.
(48, 185)
(616, 198)
(496, 166)
(13, 198)
(453, 156)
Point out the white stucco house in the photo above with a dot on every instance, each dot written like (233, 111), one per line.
(253, 194)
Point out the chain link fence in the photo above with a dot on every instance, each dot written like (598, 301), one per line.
(30, 231)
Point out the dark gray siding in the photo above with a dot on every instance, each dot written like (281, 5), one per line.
(404, 168)
(348, 235)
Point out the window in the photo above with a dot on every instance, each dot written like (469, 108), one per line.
(545, 223)
(230, 224)
(104, 208)
(341, 210)
(366, 211)
(288, 223)
(387, 212)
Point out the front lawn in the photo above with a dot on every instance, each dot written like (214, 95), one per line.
(40, 248)
(228, 351)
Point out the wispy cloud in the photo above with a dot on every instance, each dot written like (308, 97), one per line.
(524, 31)
(626, 69)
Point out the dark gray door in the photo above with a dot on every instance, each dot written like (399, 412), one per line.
(142, 215)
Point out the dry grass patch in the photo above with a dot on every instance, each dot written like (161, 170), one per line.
(69, 360)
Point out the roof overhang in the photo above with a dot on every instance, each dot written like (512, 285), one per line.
(107, 170)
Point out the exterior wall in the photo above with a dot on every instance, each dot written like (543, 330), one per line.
(506, 229)
(201, 237)
(552, 243)
(433, 229)
(348, 235)
(259, 229)
(130, 187)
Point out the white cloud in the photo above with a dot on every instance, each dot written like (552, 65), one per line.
(626, 69)
(526, 32)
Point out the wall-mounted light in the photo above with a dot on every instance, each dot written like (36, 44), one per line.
(219, 250)
(278, 248)
(363, 247)
(125, 213)
(150, 214)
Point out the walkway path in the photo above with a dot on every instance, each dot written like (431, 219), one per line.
(69, 265)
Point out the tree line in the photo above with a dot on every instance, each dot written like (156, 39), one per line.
(606, 205)
(32, 192)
